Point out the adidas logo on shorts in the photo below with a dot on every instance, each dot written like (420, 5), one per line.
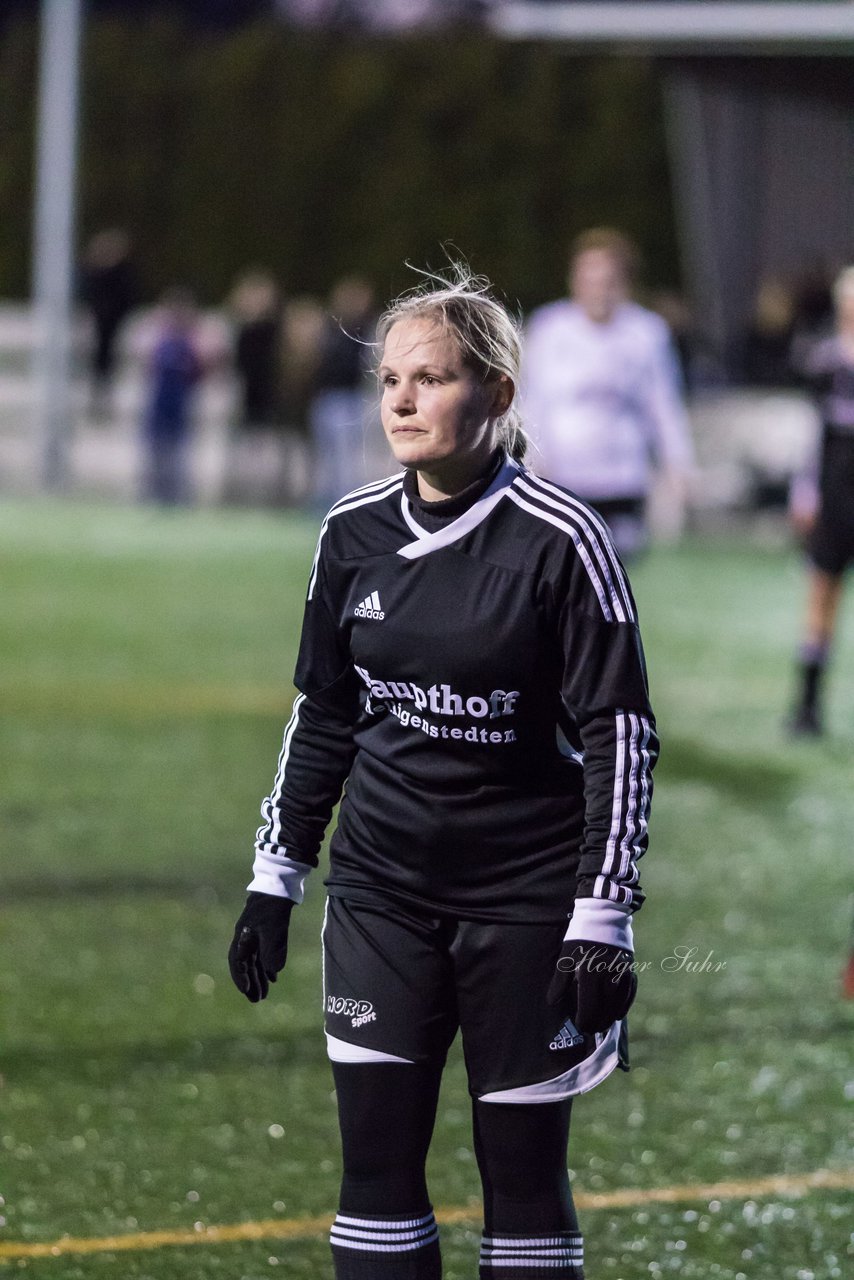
(568, 1036)
(370, 607)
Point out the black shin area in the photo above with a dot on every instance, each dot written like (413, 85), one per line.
(385, 1226)
(530, 1226)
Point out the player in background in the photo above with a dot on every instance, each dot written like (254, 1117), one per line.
(848, 971)
(603, 391)
(471, 666)
(822, 502)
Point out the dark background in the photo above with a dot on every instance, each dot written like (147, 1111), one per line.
(220, 136)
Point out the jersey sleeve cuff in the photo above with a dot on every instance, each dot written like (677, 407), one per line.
(278, 875)
(598, 920)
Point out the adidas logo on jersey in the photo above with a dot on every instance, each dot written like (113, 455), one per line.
(568, 1036)
(370, 607)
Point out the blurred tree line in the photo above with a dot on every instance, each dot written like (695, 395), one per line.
(314, 155)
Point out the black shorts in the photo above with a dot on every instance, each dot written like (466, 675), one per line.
(830, 546)
(398, 984)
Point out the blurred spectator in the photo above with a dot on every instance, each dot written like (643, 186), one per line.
(256, 307)
(676, 314)
(603, 397)
(700, 366)
(765, 359)
(338, 409)
(256, 462)
(814, 302)
(109, 287)
(304, 325)
(174, 369)
(822, 502)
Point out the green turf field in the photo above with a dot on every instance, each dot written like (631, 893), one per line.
(145, 681)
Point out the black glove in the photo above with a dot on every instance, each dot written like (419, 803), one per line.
(259, 947)
(593, 983)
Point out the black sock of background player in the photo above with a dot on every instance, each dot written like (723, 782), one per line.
(813, 663)
(385, 1225)
(811, 675)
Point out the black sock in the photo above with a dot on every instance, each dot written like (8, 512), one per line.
(532, 1257)
(384, 1228)
(368, 1248)
(812, 664)
(811, 674)
(530, 1228)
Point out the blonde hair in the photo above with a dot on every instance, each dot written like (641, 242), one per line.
(488, 337)
(609, 240)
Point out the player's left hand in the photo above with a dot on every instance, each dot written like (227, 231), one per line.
(594, 984)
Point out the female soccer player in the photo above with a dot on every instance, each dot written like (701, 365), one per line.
(470, 664)
(823, 501)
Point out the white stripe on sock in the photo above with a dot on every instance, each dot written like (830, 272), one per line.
(343, 1243)
(383, 1235)
(530, 1262)
(386, 1224)
(533, 1251)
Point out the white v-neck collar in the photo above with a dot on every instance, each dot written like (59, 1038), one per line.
(425, 541)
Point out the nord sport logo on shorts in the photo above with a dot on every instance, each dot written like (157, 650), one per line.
(358, 1011)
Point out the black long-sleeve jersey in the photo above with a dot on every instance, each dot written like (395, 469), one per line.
(482, 690)
(830, 377)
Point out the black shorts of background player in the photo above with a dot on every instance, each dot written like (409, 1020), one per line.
(822, 503)
(471, 666)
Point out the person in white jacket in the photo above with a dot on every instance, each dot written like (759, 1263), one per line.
(602, 391)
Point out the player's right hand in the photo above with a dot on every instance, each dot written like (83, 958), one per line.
(259, 947)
